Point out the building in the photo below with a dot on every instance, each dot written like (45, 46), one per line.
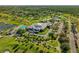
(56, 18)
(38, 27)
(23, 27)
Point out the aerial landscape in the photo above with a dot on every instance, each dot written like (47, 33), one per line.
(39, 29)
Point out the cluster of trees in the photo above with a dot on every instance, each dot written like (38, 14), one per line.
(31, 43)
(64, 40)
(37, 11)
(25, 11)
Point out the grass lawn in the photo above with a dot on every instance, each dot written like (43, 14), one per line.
(44, 31)
(7, 43)
(53, 43)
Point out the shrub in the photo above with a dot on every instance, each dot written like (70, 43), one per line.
(65, 47)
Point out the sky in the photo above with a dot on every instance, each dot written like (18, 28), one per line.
(39, 2)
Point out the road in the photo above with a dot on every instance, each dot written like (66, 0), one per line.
(46, 35)
(60, 30)
(77, 39)
(72, 42)
(71, 38)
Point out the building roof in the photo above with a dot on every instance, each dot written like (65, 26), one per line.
(56, 18)
(22, 27)
(40, 26)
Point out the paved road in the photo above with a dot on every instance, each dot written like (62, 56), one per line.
(77, 41)
(71, 38)
(58, 32)
(46, 35)
(72, 42)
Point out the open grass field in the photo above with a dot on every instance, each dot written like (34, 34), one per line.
(6, 43)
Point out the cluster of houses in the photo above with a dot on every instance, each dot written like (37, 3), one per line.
(35, 28)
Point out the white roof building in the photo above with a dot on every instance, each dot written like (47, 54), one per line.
(40, 26)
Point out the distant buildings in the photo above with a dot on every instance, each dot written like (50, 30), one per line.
(56, 18)
(35, 28)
